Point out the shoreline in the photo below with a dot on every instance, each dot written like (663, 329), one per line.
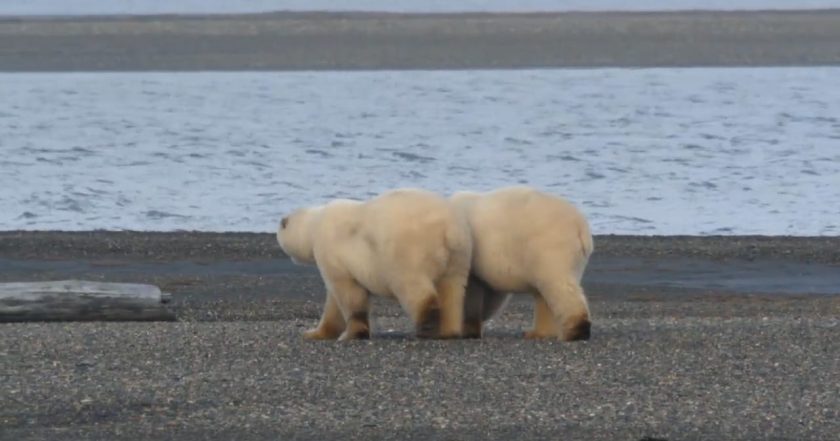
(246, 270)
(383, 41)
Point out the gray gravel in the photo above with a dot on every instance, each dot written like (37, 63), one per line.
(665, 361)
(741, 369)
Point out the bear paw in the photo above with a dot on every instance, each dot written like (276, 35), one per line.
(320, 334)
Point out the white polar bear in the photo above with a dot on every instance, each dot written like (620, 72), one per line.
(526, 241)
(410, 244)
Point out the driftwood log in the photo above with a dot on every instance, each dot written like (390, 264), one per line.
(77, 300)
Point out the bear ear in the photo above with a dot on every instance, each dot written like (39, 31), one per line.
(284, 222)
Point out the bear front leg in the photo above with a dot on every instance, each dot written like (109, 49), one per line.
(451, 296)
(482, 304)
(331, 325)
(567, 302)
(545, 326)
(352, 299)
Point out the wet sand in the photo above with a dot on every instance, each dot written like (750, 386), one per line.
(330, 41)
(206, 267)
(673, 355)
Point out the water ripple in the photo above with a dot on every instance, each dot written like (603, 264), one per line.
(653, 151)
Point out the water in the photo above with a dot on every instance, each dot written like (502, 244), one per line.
(94, 7)
(651, 151)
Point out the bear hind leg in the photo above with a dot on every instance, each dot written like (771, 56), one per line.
(420, 301)
(494, 301)
(474, 308)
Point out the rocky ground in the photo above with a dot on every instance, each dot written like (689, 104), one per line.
(665, 360)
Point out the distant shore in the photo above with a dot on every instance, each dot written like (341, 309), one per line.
(369, 41)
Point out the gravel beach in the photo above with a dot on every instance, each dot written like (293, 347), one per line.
(671, 357)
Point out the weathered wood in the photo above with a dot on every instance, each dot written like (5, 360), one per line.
(78, 300)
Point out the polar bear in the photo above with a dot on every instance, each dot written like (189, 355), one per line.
(527, 241)
(407, 243)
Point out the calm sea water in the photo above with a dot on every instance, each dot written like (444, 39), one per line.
(83, 7)
(652, 151)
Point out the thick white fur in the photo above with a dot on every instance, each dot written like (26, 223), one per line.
(527, 241)
(409, 244)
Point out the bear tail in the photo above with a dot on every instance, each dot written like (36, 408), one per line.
(587, 246)
(458, 241)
